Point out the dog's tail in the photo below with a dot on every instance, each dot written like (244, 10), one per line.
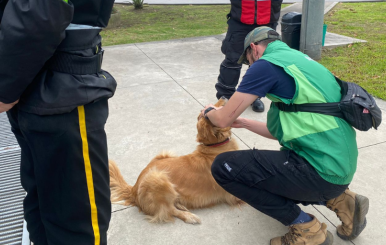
(157, 196)
(121, 192)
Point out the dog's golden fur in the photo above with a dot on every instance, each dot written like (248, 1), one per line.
(170, 185)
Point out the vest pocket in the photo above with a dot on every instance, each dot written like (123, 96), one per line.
(263, 12)
(259, 168)
(248, 12)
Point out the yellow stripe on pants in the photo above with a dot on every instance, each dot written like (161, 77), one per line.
(87, 165)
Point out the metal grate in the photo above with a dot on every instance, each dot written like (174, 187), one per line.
(11, 192)
(7, 139)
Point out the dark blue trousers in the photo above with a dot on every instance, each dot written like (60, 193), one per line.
(273, 182)
(232, 47)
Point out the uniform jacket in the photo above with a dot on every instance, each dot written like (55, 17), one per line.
(328, 143)
(258, 12)
(31, 32)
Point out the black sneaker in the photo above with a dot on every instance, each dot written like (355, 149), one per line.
(258, 105)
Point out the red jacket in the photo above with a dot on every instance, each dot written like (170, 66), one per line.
(259, 12)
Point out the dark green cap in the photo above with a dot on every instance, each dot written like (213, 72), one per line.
(258, 34)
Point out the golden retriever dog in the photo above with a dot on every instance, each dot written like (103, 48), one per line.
(171, 185)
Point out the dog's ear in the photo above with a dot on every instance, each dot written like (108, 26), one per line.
(209, 134)
(205, 131)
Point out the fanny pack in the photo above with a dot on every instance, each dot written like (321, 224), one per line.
(356, 106)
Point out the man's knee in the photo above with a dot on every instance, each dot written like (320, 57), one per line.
(215, 168)
(231, 62)
(220, 169)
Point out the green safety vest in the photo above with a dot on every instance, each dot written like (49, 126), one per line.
(328, 143)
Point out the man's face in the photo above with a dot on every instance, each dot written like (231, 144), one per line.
(254, 52)
(250, 56)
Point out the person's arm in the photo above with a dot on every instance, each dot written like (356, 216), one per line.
(30, 32)
(225, 116)
(228, 115)
(5, 107)
(257, 127)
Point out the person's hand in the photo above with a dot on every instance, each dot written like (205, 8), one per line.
(238, 123)
(6, 107)
(207, 106)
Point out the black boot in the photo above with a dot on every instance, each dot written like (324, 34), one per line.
(258, 105)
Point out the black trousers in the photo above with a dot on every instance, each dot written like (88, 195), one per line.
(273, 182)
(232, 47)
(64, 170)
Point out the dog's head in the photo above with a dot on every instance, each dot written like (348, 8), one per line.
(209, 134)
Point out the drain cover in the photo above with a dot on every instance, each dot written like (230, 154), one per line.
(11, 192)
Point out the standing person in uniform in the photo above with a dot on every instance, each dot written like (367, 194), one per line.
(318, 158)
(55, 92)
(245, 15)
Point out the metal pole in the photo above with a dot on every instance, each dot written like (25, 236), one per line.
(311, 33)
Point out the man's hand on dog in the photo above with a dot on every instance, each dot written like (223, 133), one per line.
(207, 106)
(6, 107)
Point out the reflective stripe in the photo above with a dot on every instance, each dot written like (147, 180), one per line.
(87, 165)
(81, 27)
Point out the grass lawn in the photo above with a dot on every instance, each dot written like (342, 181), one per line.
(165, 22)
(362, 63)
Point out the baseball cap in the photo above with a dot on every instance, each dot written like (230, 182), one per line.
(258, 34)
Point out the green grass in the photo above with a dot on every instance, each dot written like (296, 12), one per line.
(362, 63)
(165, 22)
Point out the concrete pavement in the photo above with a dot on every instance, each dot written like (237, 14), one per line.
(162, 86)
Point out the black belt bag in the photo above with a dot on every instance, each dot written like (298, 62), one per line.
(75, 64)
(356, 106)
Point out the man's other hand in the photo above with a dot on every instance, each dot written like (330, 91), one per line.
(6, 107)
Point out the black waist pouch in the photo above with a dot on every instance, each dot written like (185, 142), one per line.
(356, 106)
(72, 77)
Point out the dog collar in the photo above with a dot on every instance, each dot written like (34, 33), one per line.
(218, 144)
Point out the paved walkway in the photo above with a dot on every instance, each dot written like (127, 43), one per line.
(162, 86)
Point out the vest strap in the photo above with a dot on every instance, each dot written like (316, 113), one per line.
(331, 109)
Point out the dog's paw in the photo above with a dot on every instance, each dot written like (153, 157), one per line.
(191, 218)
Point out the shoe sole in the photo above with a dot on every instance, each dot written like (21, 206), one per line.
(359, 222)
(329, 239)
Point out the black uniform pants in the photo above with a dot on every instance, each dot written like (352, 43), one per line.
(64, 170)
(273, 182)
(232, 47)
